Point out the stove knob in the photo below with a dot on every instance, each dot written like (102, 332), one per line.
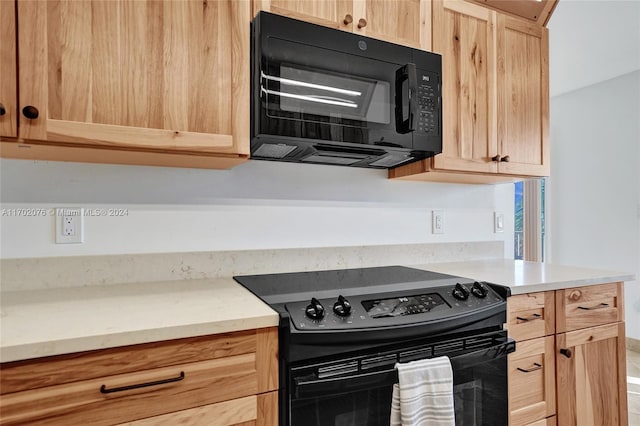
(460, 292)
(315, 310)
(479, 290)
(342, 307)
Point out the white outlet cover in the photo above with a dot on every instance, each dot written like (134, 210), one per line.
(437, 221)
(77, 214)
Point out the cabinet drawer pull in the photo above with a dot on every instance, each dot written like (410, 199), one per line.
(362, 23)
(3, 111)
(531, 318)
(347, 19)
(505, 159)
(103, 388)
(566, 352)
(495, 158)
(535, 367)
(600, 306)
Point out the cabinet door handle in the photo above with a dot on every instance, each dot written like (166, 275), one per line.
(592, 308)
(566, 352)
(495, 158)
(362, 23)
(30, 112)
(103, 388)
(347, 19)
(505, 159)
(535, 367)
(531, 318)
(2, 110)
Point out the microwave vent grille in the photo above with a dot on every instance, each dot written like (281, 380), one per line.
(274, 150)
(391, 160)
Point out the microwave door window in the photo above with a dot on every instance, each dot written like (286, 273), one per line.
(298, 93)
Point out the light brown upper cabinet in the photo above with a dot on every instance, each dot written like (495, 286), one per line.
(8, 88)
(141, 78)
(404, 22)
(495, 97)
(523, 97)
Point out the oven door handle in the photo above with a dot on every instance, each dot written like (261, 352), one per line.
(406, 73)
(310, 388)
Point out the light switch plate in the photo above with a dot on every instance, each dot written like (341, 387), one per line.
(437, 221)
(498, 222)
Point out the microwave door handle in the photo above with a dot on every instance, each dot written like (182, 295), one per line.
(406, 73)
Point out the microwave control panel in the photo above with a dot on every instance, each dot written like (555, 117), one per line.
(428, 103)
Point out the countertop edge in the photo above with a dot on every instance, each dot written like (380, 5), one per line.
(27, 351)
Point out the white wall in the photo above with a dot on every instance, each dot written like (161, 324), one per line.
(594, 189)
(256, 205)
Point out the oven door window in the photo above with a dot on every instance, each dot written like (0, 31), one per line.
(364, 398)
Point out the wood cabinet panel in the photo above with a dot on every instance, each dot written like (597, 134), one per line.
(206, 370)
(464, 34)
(8, 78)
(328, 13)
(225, 413)
(523, 97)
(406, 22)
(531, 315)
(592, 387)
(551, 421)
(532, 381)
(589, 306)
(142, 75)
(33, 374)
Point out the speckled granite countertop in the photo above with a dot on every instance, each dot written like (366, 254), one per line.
(38, 323)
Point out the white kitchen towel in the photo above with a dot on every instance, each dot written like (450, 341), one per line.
(424, 394)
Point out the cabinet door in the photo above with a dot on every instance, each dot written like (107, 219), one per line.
(532, 381)
(143, 75)
(592, 382)
(406, 22)
(329, 13)
(464, 34)
(8, 82)
(523, 97)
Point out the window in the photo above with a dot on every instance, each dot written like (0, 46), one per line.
(529, 228)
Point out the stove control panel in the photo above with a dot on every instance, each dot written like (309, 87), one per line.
(390, 309)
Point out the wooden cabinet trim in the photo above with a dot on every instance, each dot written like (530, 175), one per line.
(225, 413)
(267, 409)
(8, 70)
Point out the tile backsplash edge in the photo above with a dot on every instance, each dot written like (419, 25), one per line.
(80, 271)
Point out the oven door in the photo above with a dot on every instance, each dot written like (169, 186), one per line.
(357, 391)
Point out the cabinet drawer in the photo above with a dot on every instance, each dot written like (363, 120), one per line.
(531, 315)
(256, 410)
(532, 381)
(584, 307)
(125, 384)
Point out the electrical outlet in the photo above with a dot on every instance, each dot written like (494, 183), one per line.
(437, 221)
(498, 222)
(69, 225)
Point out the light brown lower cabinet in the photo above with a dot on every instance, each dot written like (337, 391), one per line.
(573, 372)
(532, 381)
(226, 379)
(592, 376)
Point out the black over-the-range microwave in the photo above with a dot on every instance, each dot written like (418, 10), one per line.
(325, 96)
